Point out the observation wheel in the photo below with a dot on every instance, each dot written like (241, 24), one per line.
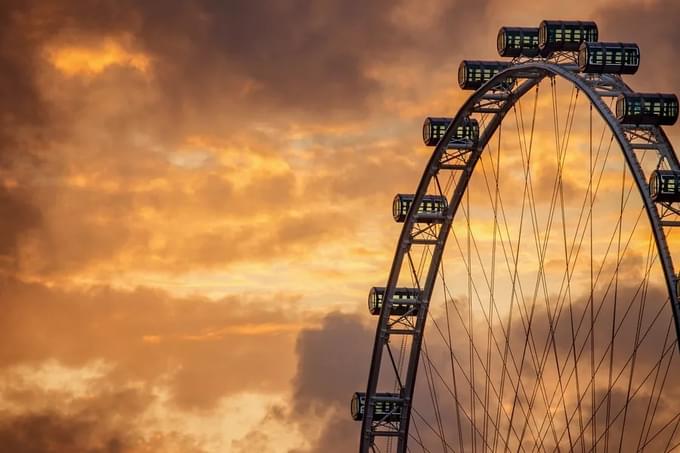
(537, 250)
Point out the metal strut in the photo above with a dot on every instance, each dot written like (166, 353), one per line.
(488, 100)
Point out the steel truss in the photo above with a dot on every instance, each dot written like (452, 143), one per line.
(431, 237)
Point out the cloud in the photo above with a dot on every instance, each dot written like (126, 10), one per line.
(333, 362)
(150, 336)
(651, 25)
(17, 218)
(141, 139)
(110, 422)
(555, 384)
(23, 120)
(117, 92)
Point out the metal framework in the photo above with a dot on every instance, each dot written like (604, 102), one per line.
(496, 101)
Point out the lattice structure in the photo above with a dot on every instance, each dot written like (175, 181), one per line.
(398, 345)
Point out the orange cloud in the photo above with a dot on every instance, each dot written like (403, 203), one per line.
(188, 185)
(93, 59)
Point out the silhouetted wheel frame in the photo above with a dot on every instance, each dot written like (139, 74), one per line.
(496, 102)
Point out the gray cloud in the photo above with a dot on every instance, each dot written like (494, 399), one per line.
(107, 423)
(333, 363)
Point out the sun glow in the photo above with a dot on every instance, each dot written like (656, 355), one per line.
(94, 59)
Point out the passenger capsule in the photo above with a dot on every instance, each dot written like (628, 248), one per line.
(431, 209)
(474, 74)
(664, 186)
(517, 42)
(647, 108)
(466, 134)
(564, 36)
(609, 58)
(403, 301)
(387, 407)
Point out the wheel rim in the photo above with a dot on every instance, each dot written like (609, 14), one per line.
(401, 355)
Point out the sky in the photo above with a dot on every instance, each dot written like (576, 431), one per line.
(195, 199)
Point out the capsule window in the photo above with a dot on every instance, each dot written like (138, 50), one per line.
(608, 56)
(637, 107)
(670, 185)
(634, 107)
(378, 297)
(474, 74)
(595, 56)
(631, 57)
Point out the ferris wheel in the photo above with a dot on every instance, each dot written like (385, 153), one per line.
(537, 250)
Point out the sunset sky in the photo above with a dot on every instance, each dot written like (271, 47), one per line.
(195, 197)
